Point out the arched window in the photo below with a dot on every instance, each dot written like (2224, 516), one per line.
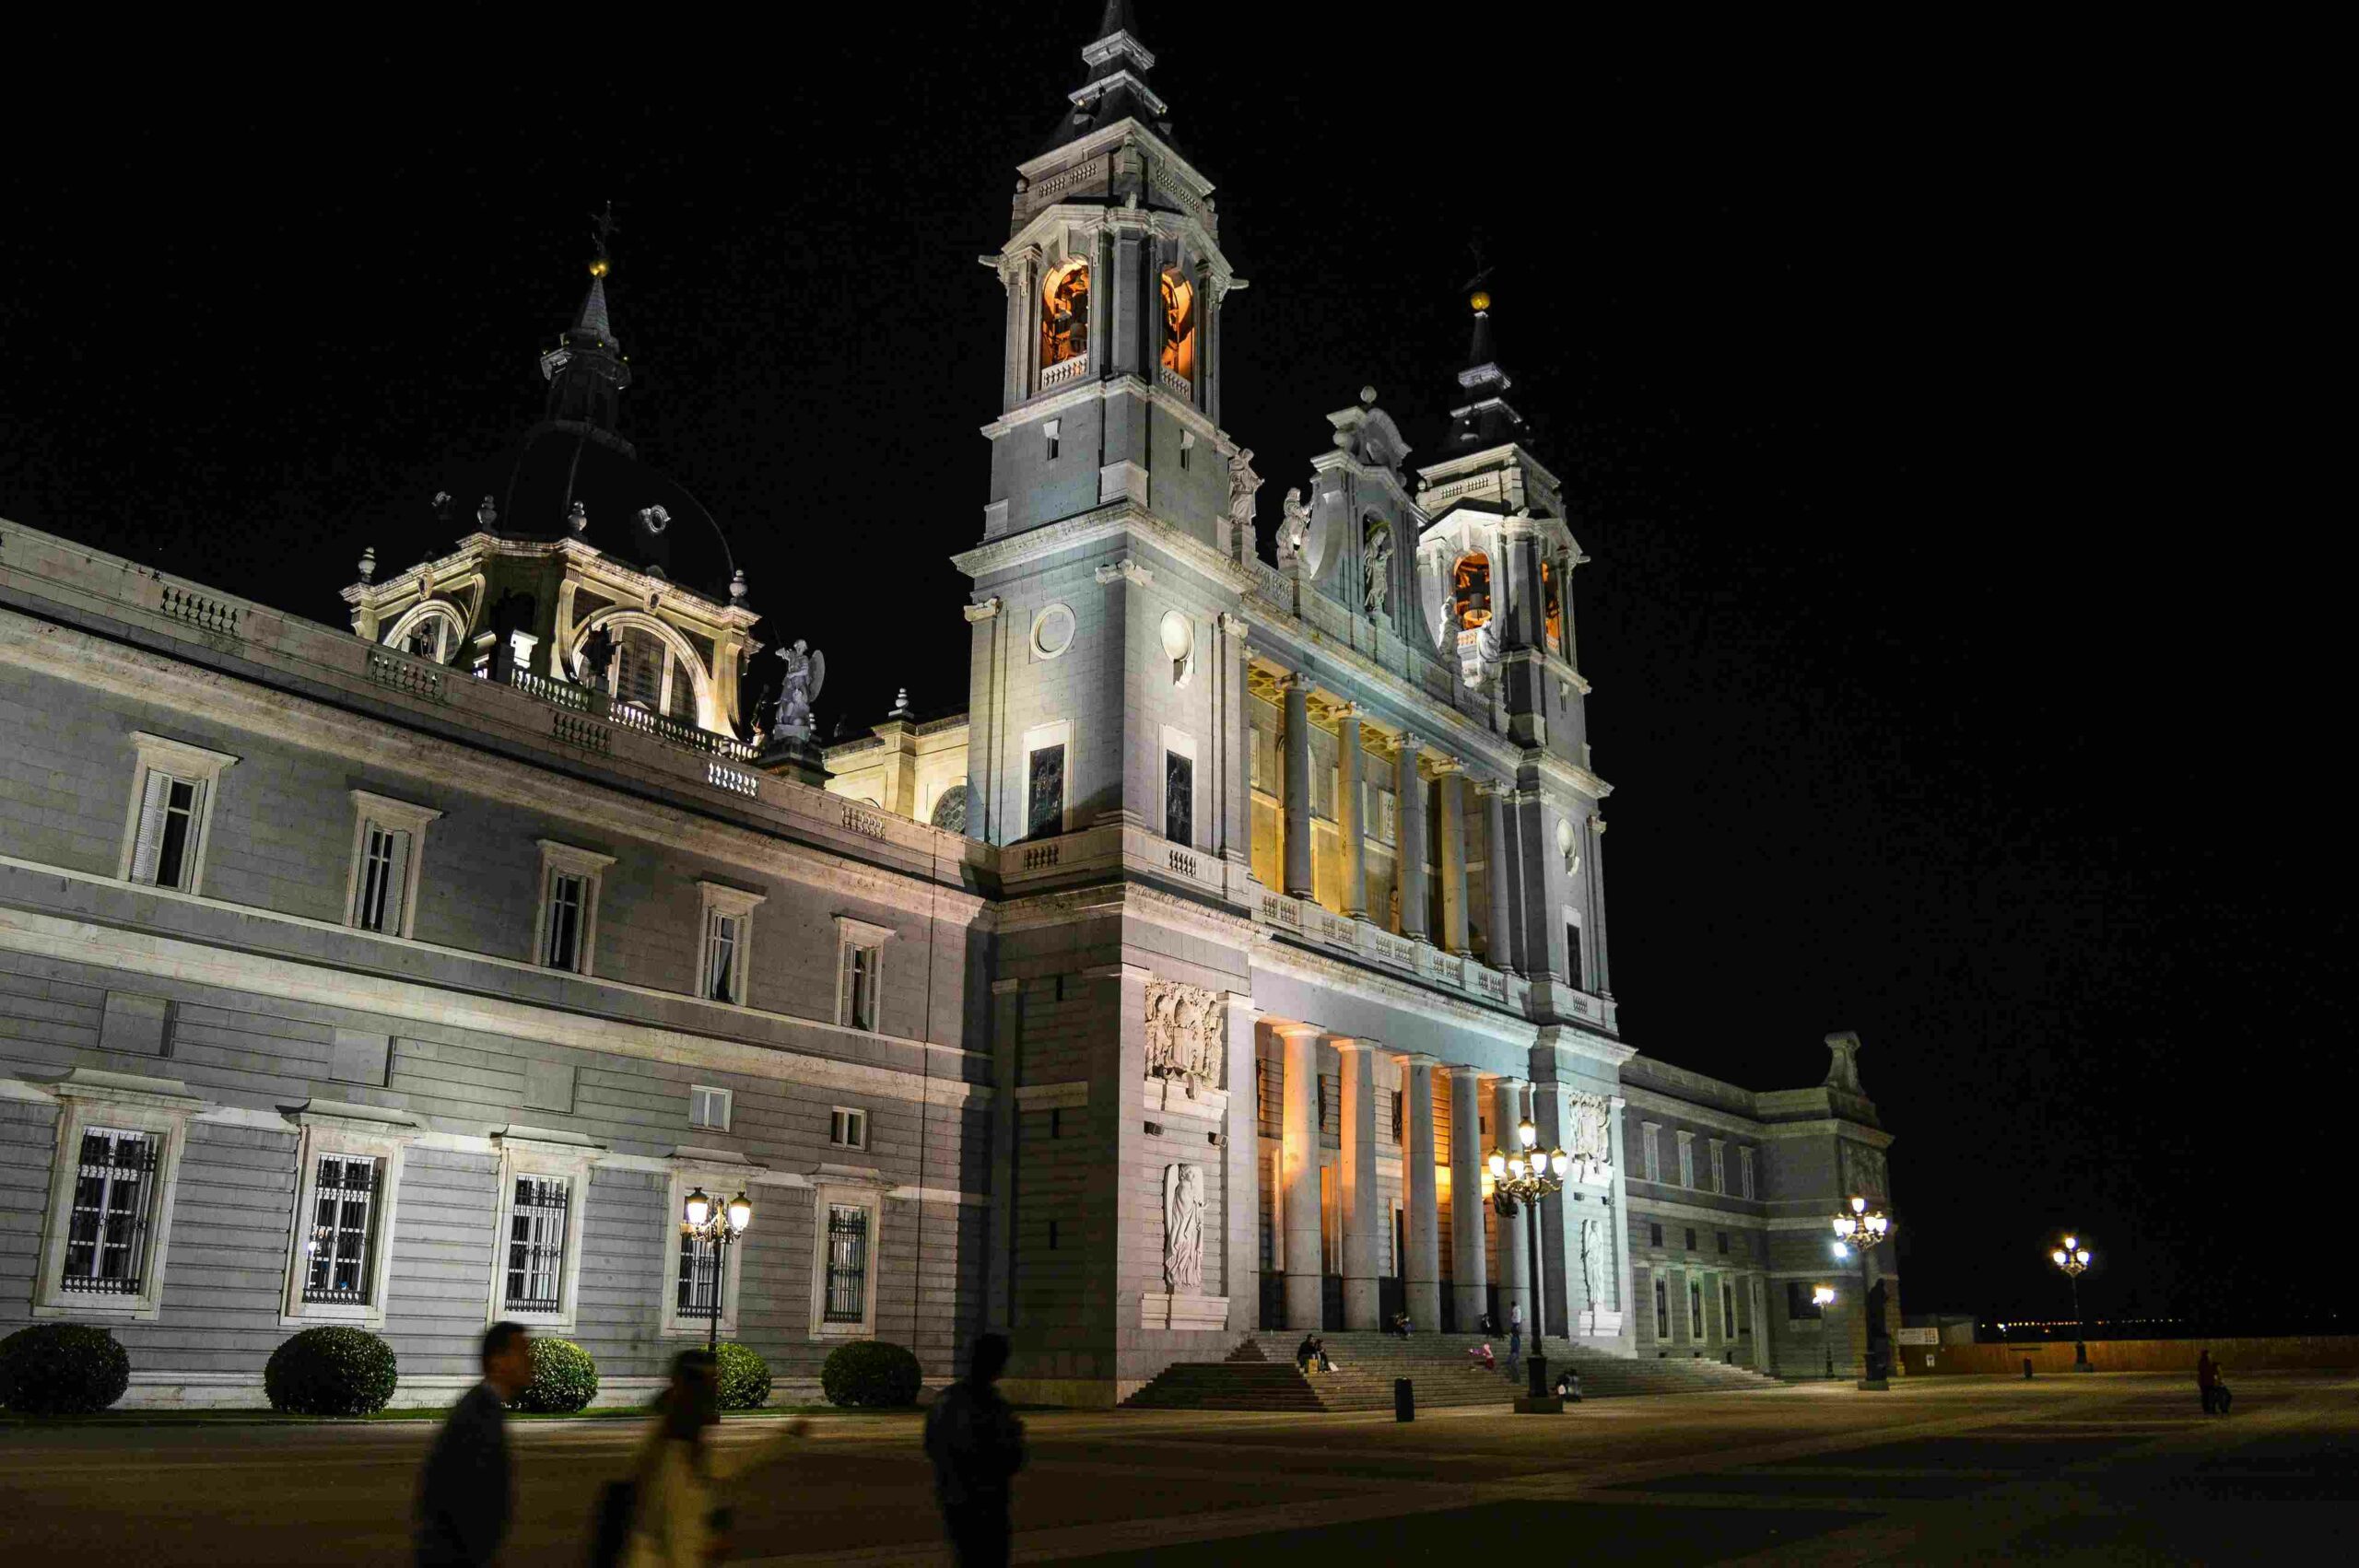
(432, 630)
(1064, 314)
(639, 669)
(1178, 324)
(1552, 607)
(1470, 590)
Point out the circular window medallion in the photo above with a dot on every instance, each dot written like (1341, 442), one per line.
(1179, 636)
(1052, 631)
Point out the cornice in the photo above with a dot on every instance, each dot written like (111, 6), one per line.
(1042, 406)
(1645, 1099)
(1293, 642)
(1302, 964)
(1113, 520)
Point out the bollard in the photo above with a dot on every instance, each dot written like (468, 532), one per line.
(1405, 1400)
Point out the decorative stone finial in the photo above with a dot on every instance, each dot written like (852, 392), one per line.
(579, 516)
(487, 514)
(1367, 396)
(737, 585)
(1843, 1062)
(368, 564)
(900, 704)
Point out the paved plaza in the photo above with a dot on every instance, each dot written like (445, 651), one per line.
(2109, 1467)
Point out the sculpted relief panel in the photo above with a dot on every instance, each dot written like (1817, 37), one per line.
(1184, 1033)
(1589, 1124)
(1183, 1228)
(1863, 1173)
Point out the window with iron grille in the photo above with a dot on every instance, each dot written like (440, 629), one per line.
(699, 1282)
(344, 1212)
(1694, 1309)
(106, 1238)
(1663, 1311)
(847, 1263)
(1728, 1310)
(536, 1230)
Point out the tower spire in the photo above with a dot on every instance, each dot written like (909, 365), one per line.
(1116, 88)
(1484, 420)
(586, 371)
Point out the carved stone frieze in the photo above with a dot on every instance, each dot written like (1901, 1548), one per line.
(1184, 1028)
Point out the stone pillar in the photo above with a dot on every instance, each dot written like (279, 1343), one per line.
(1349, 803)
(1241, 1156)
(1469, 1273)
(1300, 1164)
(1363, 1232)
(1453, 854)
(1421, 1271)
(999, 1273)
(1619, 1214)
(1515, 1237)
(1410, 875)
(1236, 803)
(1494, 876)
(1597, 902)
(1297, 805)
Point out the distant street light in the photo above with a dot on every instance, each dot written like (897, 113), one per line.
(716, 1227)
(1526, 1177)
(1823, 1298)
(2074, 1258)
(1861, 1231)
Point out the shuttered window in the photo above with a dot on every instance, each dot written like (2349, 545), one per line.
(106, 1237)
(343, 1218)
(384, 879)
(164, 852)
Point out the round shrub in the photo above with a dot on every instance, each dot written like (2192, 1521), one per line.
(564, 1379)
(330, 1372)
(61, 1369)
(744, 1378)
(870, 1373)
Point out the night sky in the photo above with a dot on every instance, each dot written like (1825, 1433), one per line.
(1958, 650)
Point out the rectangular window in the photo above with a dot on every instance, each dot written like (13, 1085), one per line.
(1179, 797)
(1695, 1309)
(164, 854)
(847, 1263)
(1662, 1310)
(1722, 1237)
(696, 1285)
(1728, 1310)
(344, 1214)
(1745, 1171)
(709, 1107)
(106, 1237)
(536, 1228)
(1045, 792)
(1650, 1144)
(568, 906)
(1691, 1238)
(1654, 1234)
(723, 937)
(1686, 1158)
(1720, 1166)
(1379, 813)
(1800, 1307)
(860, 986)
(1573, 970)
(385, 874)
(1050, 430)
(847, 1129)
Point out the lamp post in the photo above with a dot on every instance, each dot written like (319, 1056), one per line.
(1823, 1298)
(1526, 1177)
(1860, 1230)
(2074, 1258)
(716, 1226)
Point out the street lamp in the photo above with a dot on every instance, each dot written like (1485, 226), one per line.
(716, 1227)
(2074, 1258)
(1823, 1298)
(1861, 1230)
(1526, 1177)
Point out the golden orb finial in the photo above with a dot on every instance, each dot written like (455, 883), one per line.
(598, 267)
(1481, 299)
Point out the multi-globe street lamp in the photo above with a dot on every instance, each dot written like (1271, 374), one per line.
(1823, 1298)
(2074, 1258)
(716, 1226)
(1526, 1177)
(1861, 1230)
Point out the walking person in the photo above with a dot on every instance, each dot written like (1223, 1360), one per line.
(2207, 1381)
(677, 1520)
(977, 1445)
(1515, 1335)
(467, 1491)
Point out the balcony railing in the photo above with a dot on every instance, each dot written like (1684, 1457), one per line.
(595, 704)
(1065, 371)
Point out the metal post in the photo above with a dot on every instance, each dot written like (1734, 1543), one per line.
(1538, 1360)
(720, 1275)
(2080, 1331)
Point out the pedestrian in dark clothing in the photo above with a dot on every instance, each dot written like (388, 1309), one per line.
(977, 1445)
(468, 1492)
(1306, 1354)
(2207, 1381)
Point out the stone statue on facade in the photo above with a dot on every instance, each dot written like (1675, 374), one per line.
(1376, 567)
(597, 656)
(1592, 1127)
(1184, 1033)
(1183, 1228)
(1244, 486)
(1864, 1172)
(1593, 1261)
(1843, 1062)
(807, 672)
(1295, 529)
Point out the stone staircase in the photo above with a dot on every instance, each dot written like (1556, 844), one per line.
(1260, 1376)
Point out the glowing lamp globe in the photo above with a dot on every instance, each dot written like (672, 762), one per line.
(1559, 1162)
(1527, 1134)
(741, 1214)
(1499, 1165)
(1480, 300)
(2058, 1257)
(698, 1210)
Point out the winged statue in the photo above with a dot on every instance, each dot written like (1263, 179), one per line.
(807, 672)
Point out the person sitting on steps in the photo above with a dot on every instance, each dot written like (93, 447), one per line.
(1400, 1325)
(1481, 1360)
(1568, 1384)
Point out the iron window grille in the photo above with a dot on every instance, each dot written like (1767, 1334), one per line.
(1694, 1309)
(344, 1212)
(847, 1264)
(537, 1229)
(106, 1239)
(699, 1277)
(1662, 1312)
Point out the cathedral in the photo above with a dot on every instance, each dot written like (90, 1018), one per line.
(1214, 974)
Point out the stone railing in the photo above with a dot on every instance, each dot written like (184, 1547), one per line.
(1378, 949)
(1065, 371)
(1174, 382)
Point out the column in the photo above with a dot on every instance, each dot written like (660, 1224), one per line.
(1597, 902)
(1421, 1271)
(1363, 1233)
(1454, 853)
(1469, 1274)
(1496, 873)
(1349, 803)
(1241, 1157)
(1410, 875)
(1298, 806)
(1559, 1260)
(1236, 805)
(1618, 1212)
(999, 1274)
(1515, 1240)
(1300, 1164)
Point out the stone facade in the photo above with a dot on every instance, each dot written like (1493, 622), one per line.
(1179, 988)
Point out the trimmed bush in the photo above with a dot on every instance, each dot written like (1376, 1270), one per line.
(330, 1372)
(744, 1378)
(870, 1373)
(565, 1378)
(61, 1369)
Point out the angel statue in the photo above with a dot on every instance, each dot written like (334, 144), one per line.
(1296, 528)
(1376, 567)
(807, 672)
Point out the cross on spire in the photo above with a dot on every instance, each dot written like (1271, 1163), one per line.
(605, 228)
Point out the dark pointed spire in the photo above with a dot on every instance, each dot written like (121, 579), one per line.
(586, 371)
(1116, 88)
(1485, 420)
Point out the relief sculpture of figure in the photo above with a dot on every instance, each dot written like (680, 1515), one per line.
(1593, 1260)
(807, 672)
(1376, 567)
(1590, 1133)
(1183, 1228)
(1183, 1040)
